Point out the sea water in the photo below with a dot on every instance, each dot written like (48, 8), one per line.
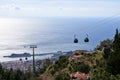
(53, 34)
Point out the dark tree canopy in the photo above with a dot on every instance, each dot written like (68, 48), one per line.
(113, 62)
(116, 42)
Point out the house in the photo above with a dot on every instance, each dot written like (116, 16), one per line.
(76, 54)
(79, 52)
(79, 75)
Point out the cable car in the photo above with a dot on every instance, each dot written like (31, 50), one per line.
(75, 39)
(20, 59)
(26, 58)
(86, 39)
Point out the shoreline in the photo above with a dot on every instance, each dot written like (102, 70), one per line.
(26, 64)
(37, 56)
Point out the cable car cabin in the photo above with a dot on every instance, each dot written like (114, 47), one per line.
(75, 40)
(86, 39)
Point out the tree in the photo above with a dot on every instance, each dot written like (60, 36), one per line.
(113, 62)
(63, 76)
(116, 42)
(84, 68)
(105, 43)
(107, 52)
(1, 72)
(79, 66)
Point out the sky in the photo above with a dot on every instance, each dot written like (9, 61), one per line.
(13, 29)
(59, 8)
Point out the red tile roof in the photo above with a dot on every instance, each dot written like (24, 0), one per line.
(80, 51)
(81, 75)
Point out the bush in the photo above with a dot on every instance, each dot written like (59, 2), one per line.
(84, 68)
(64, 76)
(80, 66)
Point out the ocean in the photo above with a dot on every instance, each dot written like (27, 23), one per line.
(52, 34)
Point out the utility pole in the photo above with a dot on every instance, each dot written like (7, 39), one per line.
(33, 47)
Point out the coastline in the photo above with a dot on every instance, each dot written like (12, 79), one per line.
(26, 64)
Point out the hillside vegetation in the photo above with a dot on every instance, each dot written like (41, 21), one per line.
(102, 64)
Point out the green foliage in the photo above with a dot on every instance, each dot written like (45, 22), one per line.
(13, 74)
(63, 76)
(59, 65)
(116, 42)
(110, 70)
(102, 74)
(105, 43)
(107, 52)
(46, 64)
(113, 63)
(114, 59)
(41, 70)
(99, 56)
(79, 66)
(51, 69)
(1, 72)
(34, 78)
(73, 67)
(63, 62)
(84, 68)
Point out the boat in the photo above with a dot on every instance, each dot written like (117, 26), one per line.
(13, 55)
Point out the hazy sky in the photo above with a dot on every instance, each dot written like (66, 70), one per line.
(16, 31)
(59, 8)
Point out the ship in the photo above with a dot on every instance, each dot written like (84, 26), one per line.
(13, 55)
